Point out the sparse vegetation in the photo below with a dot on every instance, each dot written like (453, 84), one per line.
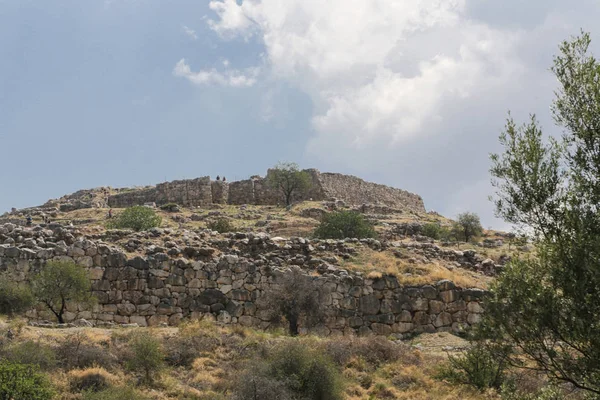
(344, 224)
(435, 231)
(138, 218)
(60, 282)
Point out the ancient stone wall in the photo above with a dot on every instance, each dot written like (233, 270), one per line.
(354, 190)
(201, 191)
(160, 289)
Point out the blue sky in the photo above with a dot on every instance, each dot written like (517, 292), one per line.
(409, 93)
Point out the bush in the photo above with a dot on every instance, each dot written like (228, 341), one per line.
(344, 224)
(183, 350)
(77, 351)
(221, 225)
(138, 218)
(373, 350)
(30, 353)
(93, 379)
(146, 355)
(114, 393)
(293, 371)
(18, 381)
(435, 231)
(481, 366)
(14, 298)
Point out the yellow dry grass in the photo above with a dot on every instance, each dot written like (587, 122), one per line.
(375, 264)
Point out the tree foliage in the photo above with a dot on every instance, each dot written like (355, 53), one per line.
(138, 218)
(466, 227)
(288, 179)
(294, 296)
(18, 381)
(14, 298)
(344, 224)
(60, 282)
(548, 305)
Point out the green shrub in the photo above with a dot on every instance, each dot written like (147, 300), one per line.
(221, 225)
(14, 298)
(170, 207)
(146, 355)
(114, 393)
(344, 224)
(18, 381)
(481, 366)
(138, 218)
(31, 353)
(292, 371)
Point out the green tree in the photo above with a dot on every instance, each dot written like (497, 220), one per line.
(18, 381)
(138, 218)
(344, 224)
(548, 305)
(14, 298)
(147, 355)
(467, 226)
(288, 179)
(60, 282)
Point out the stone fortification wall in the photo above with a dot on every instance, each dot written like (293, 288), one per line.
(354, 190)
(201, 191)
(159, 288)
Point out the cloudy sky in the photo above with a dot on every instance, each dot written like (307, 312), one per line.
(409, 93)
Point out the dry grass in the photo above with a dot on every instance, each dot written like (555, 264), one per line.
(375, 264)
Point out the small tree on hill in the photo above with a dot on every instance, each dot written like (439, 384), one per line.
(294, 295)
(60, 282)
(138, 218)
(288, 179)
(344, 224)
(467, 226)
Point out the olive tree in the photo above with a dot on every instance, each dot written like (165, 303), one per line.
(467, 226)
(547, 305)
(288, 179)
(293, 296)
(60, 282)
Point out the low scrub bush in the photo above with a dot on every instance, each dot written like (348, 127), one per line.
(375, 351)
(18, 381)
(145, 356)
(344, 224)
(77, 351)
(480, 366)
(91, 379)
(183, 350)
(138, 218)
(292, 371)
(14, 298)
(221, 225)
(30, 353)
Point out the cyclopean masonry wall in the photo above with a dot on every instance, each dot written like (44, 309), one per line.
(202, 191)
(202, 282)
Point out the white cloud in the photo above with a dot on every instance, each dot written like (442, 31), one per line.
(229, 77)
(190, 32)
(358, 62)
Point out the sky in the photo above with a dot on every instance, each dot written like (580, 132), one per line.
(407, 93)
